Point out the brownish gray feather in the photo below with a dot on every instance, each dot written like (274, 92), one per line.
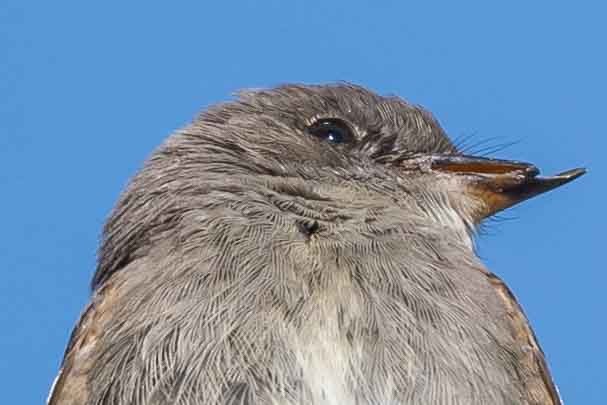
(250, 263)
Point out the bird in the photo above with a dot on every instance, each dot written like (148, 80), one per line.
(307, 244)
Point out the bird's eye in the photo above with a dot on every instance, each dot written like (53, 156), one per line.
(332, 130)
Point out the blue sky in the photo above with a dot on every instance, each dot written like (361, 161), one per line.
(88, 90)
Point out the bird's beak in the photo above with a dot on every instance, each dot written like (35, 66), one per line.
(500, 184)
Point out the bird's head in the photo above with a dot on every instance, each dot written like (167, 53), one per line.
(332, 152)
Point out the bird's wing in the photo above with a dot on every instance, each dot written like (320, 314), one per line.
(71, 384)
(540, 387)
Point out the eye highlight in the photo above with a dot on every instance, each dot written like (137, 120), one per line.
(332, 130)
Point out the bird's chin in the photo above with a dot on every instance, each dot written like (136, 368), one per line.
(499, 184)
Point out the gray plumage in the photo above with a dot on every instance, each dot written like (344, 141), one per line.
(249, 262)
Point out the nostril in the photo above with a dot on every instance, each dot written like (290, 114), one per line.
(531, 171)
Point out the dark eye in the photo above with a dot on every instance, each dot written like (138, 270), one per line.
(332, 130)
